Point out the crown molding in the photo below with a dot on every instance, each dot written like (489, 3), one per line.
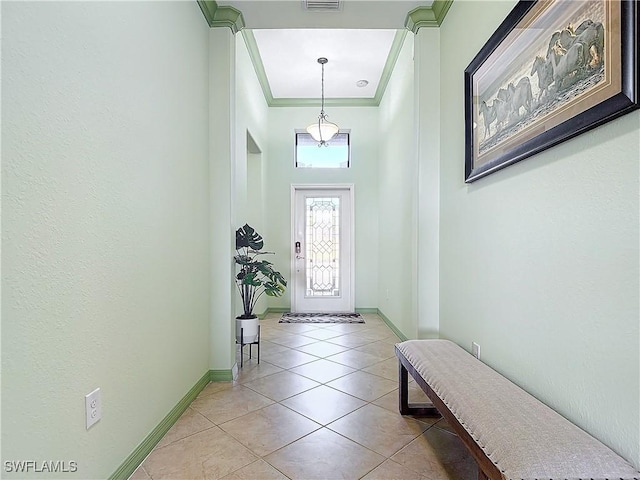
(258, 66)
(432, 16)
(222, 16)
(328, 102)
(392, 58)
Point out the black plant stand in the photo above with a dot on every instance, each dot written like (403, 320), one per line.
(242, 344)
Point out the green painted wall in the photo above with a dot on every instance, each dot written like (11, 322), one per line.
(125, 172)
(104, 224)
(251, 119)
(427, 113)
(397, 197)
(280, 174)
(539, 262)
(222, 195)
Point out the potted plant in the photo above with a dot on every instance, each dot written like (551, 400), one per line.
(255, 278)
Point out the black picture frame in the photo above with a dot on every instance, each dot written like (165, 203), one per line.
(592, 67)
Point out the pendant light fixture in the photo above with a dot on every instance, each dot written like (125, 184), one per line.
(323, 130)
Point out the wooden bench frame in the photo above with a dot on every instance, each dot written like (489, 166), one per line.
(486, 469)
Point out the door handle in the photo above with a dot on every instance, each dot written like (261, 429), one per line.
(298, 249)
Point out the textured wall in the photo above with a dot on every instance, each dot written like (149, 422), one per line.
(105, 223)
(252, 115)
(397, 200)
(539, 262)
(427, 61)
(222, 107)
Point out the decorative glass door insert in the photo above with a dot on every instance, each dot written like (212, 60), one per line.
(322, 246)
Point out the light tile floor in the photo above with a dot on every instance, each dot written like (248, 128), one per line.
(322, 404)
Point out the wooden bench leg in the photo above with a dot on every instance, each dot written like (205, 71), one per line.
(406, 408)
(404, 390)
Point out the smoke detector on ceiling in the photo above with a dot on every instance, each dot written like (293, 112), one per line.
(322, 5)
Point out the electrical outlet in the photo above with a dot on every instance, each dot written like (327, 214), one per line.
(475, 350)
(93, 407)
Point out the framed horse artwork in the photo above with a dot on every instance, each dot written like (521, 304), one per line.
(553, 70)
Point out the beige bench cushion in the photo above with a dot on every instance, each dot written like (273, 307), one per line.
(523, 437)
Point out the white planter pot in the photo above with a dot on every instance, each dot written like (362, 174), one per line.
(249, 329)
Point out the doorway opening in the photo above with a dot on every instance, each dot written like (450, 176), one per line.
(323, 253)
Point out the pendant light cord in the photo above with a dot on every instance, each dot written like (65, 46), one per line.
(322, 83)
(322, 115)
(323, 127)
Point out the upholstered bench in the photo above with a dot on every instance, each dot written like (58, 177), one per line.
(511, 434)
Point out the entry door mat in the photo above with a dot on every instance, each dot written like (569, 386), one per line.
(321, 318)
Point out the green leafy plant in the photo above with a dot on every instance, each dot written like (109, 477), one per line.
(256, 277)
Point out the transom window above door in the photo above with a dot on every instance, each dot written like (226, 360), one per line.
(335, 154)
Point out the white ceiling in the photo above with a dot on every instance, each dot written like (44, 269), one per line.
(290, 59)
(356, 39)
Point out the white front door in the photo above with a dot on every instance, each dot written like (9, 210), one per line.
(322, 249)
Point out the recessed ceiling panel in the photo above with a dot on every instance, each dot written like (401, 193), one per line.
(290, 62)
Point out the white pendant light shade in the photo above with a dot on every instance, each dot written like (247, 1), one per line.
(322, 130)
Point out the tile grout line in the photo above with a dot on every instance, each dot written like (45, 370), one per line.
(374, 333)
